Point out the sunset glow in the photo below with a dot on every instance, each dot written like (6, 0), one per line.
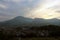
(46, 10)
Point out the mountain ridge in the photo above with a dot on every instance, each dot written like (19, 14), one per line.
(19, 21)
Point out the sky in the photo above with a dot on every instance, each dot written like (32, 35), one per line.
(46, 9)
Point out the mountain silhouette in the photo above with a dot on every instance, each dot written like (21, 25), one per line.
(23, 21)
(17, 21)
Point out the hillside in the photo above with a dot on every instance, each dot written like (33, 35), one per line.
(23, 21)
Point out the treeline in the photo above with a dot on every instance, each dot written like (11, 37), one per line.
(23, 32)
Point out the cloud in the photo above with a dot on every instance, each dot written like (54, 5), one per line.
(3, 6)
(45, 8)
(57, 11)
(28, 8)
(16, 0)
(13, 8)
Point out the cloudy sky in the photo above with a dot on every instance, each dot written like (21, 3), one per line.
(46, 9)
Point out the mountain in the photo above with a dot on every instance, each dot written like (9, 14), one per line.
(17, 21)
(42, 22)
(39, 22)
(22, 21)
(54, 21)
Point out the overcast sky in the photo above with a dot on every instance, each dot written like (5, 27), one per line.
(46, 9)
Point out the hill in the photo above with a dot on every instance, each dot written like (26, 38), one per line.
(23, 21)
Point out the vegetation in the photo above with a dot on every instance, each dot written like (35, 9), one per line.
(48, 32)
(45, 38)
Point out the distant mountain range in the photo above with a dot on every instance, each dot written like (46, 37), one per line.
(22, 21)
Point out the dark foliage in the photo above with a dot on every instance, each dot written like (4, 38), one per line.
(7, 33)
